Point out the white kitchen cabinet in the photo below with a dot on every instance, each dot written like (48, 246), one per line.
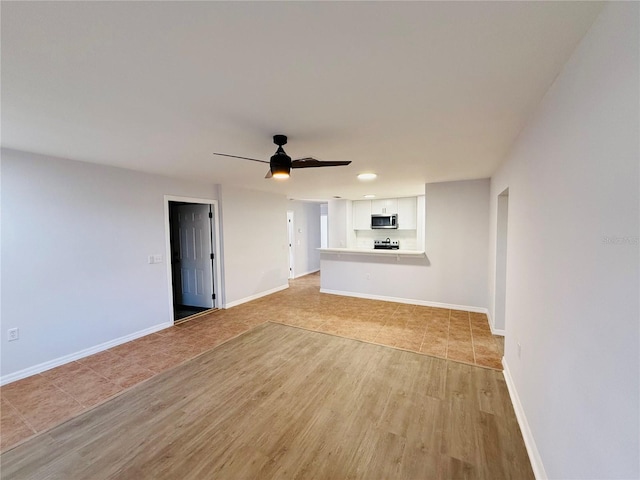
(384, 205)
(407, 213)
(362, 215)
(405, 208)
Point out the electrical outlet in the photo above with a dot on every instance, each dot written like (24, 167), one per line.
(519, 349)
(13, 334)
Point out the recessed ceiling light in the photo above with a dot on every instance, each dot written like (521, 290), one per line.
(369, 196)
(367, 176)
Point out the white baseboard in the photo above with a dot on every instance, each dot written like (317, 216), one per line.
(56, 362)
(529, 441)
(497, 331)
(307, 273)
(409, 301)
(235, 303)
(494, 331)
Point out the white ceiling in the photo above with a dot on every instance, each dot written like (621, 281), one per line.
(417, 92)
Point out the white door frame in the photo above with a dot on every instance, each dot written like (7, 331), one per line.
(216, 276)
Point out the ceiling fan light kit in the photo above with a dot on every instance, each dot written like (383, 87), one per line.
(281, 164)
(280, 175)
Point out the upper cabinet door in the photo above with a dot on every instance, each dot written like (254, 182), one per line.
(384, 206)
(362, 215)
(407, 213)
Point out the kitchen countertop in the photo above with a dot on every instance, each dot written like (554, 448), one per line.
(371, 251)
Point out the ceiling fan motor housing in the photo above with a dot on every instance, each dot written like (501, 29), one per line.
(280, 162)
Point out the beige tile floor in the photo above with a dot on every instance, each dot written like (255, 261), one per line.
(37, 403)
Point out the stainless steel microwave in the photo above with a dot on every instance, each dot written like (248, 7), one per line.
(379, 221)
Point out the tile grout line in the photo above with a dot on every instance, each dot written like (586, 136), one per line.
(57, 388)
(20, 415)
(66, 393)
(473, 344)
(424, 336)
(100, 376)
(122, 387)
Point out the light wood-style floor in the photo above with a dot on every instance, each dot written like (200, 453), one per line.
(288, 403)
(38, 403)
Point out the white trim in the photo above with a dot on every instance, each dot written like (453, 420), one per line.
(494, 331)
(529, 441)
(410, 301)
(307, 273)
(56, 362)
(291, 241)
(235, 303)
(497, 331)
(217, 275)
(218, 287)
(369, 251)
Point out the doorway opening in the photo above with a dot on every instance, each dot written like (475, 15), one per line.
(290, 239)
(499, 321)
(193, 266)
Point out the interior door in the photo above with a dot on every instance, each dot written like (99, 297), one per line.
(195, 264)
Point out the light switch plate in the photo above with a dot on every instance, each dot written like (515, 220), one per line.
(13, 334)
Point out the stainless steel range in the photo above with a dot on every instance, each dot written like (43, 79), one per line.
(386, 244)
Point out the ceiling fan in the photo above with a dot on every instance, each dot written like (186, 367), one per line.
(281, 164)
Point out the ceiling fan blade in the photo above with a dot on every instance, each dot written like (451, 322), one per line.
(312, 162)
(269, 174)
(243, 158)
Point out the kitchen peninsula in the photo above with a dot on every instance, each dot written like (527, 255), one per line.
(363, 261)
(440, 263)
(358, 227)
(372, 252)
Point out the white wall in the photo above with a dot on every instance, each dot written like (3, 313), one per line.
(573, 259)
(254, 241)
(456, 243)
(324, 226)
(500, 284)
(75, 244)
(457, 215)
(306, 219)
(340, 217)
